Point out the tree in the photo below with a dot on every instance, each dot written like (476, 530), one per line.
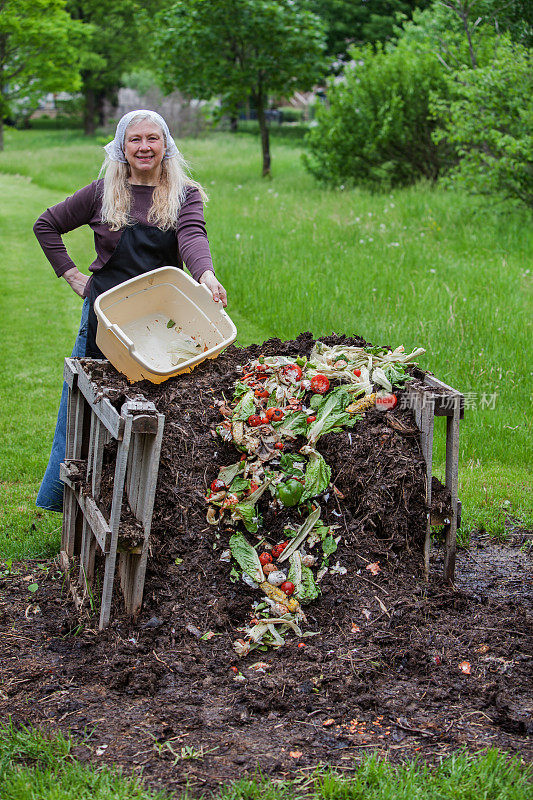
(490, 122)
(121, 36)
(39, 52)
(357, 22)
(377, 129)
(240, 50)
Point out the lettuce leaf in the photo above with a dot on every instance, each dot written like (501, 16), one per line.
(227, 474)
(245, 407)
(240, 389)
(288, 462)
(317, 474)
(293, 425)
(331, 414)
(308, 589)
(305, 588)
(247, 513)
(246, 556)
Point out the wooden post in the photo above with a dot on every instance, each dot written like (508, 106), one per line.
(452, 483)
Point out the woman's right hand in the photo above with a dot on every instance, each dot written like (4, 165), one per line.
(76, 280)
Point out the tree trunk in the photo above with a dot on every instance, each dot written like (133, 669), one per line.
(89, 113)
(263, 128)
(233, 124)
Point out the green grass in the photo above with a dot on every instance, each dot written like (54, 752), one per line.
(36, 766)
(420, 266)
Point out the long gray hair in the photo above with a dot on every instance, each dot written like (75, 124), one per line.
(168, 196)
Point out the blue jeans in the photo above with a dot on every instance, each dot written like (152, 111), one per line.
(50, 495)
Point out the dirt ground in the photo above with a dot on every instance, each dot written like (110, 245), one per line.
(399, 666)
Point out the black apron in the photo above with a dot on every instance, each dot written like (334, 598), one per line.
(141, 248)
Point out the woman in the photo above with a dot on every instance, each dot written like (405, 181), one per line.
(145, 213)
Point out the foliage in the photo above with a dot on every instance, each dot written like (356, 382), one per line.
(39, 53)
(460, 32)
(121, 37)
(349, 23)
(377, 130)
(240, 49)
(488, 78)
(496, 157)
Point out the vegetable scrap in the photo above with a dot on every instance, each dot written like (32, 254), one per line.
(279, 402)
(183, 347)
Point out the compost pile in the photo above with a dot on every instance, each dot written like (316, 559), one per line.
(250, 480)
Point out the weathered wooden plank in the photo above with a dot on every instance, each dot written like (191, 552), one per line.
(70, 372)
(444, 403)
(133, 565)
(452, 483)
(101, 406)
(426, 443)
(114, 520)
(99, 441)
(145, 423)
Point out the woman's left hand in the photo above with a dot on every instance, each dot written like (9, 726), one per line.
(216, 288)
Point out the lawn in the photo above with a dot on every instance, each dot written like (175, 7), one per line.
(34, 766)
(420, 266)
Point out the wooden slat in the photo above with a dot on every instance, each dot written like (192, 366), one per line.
(452, 482)
(101, 406)
(100, 439)
(133, 565)
(97, 522)
(70, 372)
(114, 521)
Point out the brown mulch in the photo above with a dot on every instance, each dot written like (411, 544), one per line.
(382, 675)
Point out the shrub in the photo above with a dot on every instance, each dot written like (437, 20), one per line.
(377, 130)
(489, 120)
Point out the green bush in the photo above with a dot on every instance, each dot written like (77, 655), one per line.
(377, 130)
(489, 120)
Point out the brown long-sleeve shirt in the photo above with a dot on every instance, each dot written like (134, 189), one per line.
(84, 208)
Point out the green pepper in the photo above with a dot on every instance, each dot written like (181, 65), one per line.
(290, 492)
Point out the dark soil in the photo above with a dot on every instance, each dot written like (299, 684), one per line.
(382, 675)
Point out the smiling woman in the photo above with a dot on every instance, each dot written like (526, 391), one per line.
(145, 212)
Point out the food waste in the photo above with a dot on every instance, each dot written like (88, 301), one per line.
(277, 403)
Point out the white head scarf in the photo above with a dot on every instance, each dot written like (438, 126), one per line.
(115, 148)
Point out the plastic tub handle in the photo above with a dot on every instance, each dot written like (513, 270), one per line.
(123, 339)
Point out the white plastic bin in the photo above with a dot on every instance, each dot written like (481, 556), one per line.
(134, 324)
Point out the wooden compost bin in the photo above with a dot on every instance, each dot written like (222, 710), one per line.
(138, 431)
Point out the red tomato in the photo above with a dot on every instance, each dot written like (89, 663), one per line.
(384, 403)
(274, 414)
(265, 558)
(311, 418)
(253, 486)
(279, 445)
(287, 587)
(301, 644)
(262, 393)
(254, 420)
(278, 549)
(292, 371)
(264, 421)
(217, 485)
(319, 384)
(357, 373)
